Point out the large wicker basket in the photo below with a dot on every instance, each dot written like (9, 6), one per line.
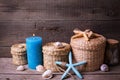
(52, 54)
(91, 51)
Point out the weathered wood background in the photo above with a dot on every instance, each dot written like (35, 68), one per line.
(54, 20)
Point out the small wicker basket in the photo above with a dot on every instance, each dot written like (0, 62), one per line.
(51, 54)
(18, 52)
(90, 50)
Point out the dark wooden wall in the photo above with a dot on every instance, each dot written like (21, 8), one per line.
(54, 20)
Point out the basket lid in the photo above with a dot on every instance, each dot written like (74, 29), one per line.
(54, 48)
(18, 48)
(93, 42)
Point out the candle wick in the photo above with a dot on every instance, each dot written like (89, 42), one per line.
(33, 34)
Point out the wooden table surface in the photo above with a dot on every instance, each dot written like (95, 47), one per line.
(8, 72)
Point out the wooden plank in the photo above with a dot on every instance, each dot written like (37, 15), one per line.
(5, 49)
(53, 30)
(57, 77)
(10, 31)
(65, 28)
(7, 40)
(60, 10)
(7, 67)
(8, 72)
(61, 14)
(45, 4)
(17, 25)
(66, 25)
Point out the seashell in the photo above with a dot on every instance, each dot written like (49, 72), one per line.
(40, 68)
(20, 68)
(104, 68)
(58, 45)
(48, 74)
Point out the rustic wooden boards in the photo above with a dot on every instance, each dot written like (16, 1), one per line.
(60, 14)
(12, 32)
(59, 10)
(7, 70)
(57, 77)
(55, 20)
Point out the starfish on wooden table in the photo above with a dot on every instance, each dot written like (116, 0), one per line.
(71, 66)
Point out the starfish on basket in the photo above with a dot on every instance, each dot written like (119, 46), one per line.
(87, 34)
(71, 66)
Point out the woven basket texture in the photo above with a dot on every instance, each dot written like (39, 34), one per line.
(91, 51)
(19, 56)
(52, 54)
(19, 59)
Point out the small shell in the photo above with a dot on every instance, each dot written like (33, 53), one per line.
(104, 68)
(20, 68)
(48, 74)
(58, 45)
(40, 68)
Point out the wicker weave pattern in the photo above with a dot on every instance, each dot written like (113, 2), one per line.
(49, 61)
(19, 60)
(52, 54)
(18, 52)
(91, 51)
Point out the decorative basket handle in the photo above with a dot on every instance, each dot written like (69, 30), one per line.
(87, 34)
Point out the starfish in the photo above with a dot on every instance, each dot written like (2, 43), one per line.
(87, 34)
(71, 66)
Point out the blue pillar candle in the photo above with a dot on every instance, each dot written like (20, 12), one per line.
(34, 51)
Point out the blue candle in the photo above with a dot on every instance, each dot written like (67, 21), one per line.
(34, 51)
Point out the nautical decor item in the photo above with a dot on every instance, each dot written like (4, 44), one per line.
(90, 47)
(71, 66)
(19, 56)
(40, 68)
(48, 74)
(55, 51)
(34, 51)
(20, 68)
(104, 68)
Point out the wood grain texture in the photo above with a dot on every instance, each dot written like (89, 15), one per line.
(12, 32)
(61, 14)
(60, 10)
(45, 4)
(55, 20)
(57, 77)
(11, 68)
(54, 29)
(8, 70)
(3, 50)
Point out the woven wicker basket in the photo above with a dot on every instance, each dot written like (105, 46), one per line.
(91, 51)
(52, 54)
(18, 52)
(19, 59)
